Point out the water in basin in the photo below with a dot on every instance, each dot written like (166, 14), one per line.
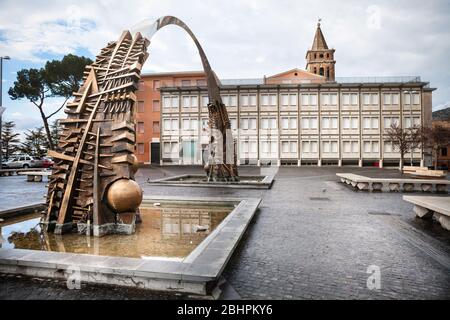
(169, 231)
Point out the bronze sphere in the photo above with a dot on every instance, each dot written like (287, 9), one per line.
(124, 195)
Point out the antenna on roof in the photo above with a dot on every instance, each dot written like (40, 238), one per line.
(319, 21)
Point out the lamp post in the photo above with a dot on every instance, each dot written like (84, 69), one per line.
(2, 109)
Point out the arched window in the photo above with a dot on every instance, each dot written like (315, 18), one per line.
(321, 71)
(315, 70)
(328, 72)
(315, 55)
(321, 56)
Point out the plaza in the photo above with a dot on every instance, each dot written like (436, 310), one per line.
(312, 238)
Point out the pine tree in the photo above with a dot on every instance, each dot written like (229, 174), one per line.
(10, 139)
(35, 143)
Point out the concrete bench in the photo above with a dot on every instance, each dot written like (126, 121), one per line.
(394, 185)
(424, 172)
(35, 176)
(426, 207)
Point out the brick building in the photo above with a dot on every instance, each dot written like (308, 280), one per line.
(295, 117)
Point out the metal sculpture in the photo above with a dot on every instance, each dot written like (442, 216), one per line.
(92, 185)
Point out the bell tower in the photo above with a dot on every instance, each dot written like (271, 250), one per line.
(320, 59)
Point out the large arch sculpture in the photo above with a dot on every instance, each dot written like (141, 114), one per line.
(92, 185)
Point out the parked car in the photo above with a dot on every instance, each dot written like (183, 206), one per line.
(47, 162)
(24, 161)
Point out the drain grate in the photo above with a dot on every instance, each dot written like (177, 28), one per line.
(319, 199)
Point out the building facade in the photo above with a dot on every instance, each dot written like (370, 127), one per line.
(148, 109)
(296, 117)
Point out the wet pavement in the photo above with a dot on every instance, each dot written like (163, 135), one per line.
(313, 238)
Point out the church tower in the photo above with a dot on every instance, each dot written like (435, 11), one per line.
(320, 59)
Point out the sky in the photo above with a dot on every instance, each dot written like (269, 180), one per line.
(242, 38)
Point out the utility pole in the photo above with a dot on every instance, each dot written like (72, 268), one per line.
(2, 109)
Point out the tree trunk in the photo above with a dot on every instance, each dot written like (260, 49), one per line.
(47, 129)
(402, 158)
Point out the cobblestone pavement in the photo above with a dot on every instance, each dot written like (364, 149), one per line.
(313, 238)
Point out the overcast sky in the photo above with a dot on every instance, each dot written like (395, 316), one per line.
(242, 38)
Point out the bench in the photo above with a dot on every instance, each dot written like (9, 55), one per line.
(363, 183)
(35, 176)
(424, 172)
(426, 207)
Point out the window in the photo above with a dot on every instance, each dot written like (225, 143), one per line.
(350, 123)
(350, 146)
(170, 124)
(201, 83)
(370, 99)
(329, 123)
(350, 99)
(309, 99)
(268, 99)
(371, 147)
(233, 123)
(330, 146)
(248, 100)
(156, 84)
(156, 106)
(309, 122)
(289, 123)
(185, 83)
(269, 148)
(190, 101)
(141, 107)
(309, 146)
(389, 121)
(205, 100)
(140, 127)
(248, 123)
(391, 98)
(229, 100)
(289, 147)
(141, 86)
(170, 101)
(388, 147)
(329, 99)
(370, 123)
(268, 123)
(415, 98)
(156, 127)
(170, 148)
(289, 99)
(414, 121)
(444, 152)
(140, 148)
(248, 147)
(189, 124)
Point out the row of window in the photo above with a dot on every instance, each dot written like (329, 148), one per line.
(156, 84)
(290, 99)
(290, 123)
(307, 147)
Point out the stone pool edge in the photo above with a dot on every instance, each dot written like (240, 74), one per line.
(196, 274)
(266, 182)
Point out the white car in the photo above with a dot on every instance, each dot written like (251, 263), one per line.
(23, 161)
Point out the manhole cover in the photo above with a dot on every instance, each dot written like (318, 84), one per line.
(319, 199)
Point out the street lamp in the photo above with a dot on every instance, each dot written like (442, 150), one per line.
(2, 109)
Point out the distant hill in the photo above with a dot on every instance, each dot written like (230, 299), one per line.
(443, 114)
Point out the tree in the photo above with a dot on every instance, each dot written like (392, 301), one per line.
(57, 79)
(10, 139)
(404, 140)
(436, 138)
(55, 131)
(35, 143)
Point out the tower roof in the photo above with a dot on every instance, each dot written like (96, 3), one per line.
(319, 40)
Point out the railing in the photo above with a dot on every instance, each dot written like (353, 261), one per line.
(406, 79)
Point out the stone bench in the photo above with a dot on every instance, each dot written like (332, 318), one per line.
(393, 185)
(426, 207)
(424, 172)
(35, 176)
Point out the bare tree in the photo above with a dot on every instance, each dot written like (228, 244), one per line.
(404, 140)
(435, 138)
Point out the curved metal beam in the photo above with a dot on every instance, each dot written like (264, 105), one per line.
(211, 78)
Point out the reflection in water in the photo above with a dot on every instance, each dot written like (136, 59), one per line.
(164, 232)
